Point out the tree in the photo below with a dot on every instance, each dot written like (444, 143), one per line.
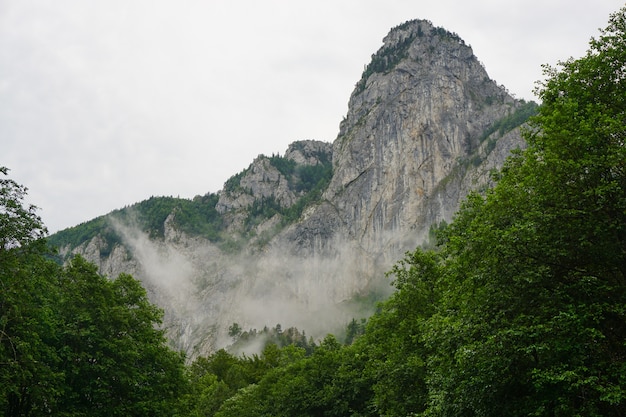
(224, 384)
(19, 224)
(534, 320)
(73, 342)
(234, 331)
(114, 359)
(396, 356)
(28, 375)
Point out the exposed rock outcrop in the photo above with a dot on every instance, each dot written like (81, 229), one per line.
(401, 159)
(417, 138)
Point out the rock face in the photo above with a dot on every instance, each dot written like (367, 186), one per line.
(401, 157)
(262, 180)
(418, 136)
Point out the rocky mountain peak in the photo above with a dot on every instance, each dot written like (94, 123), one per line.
(421, 106)
(291, 239)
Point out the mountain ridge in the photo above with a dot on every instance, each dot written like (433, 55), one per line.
(291, 237)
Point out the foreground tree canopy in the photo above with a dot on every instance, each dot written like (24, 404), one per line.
(521, 311)
(72, 342)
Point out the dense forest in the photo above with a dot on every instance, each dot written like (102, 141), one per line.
(519, 310)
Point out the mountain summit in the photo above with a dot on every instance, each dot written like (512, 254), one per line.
(421, 113)
(299, 239)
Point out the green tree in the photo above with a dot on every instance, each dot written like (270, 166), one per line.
(19, 224)
(29, 377)
(29, 373)
(234, 330)
(73, 342)
(223, 384)
(396, 355)
(114, 359)
(302, 388)
(354, 329)
(206, 393)
(534, 319)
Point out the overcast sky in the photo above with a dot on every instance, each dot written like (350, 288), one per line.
(106, 103)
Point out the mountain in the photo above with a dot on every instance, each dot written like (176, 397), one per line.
(304, 239)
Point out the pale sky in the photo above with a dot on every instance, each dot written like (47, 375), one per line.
(106, 103)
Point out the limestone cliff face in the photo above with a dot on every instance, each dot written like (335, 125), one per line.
(418, 136)
(264, 183)
(262, 180)
(401, 157)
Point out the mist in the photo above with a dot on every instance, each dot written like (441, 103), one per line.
(204, 290)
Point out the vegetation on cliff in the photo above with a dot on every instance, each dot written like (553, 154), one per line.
(390, 55)
(196, 217)
(308, 181)
(199, 216)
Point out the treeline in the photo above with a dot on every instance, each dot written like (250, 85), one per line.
(253, 338)
(197, 217)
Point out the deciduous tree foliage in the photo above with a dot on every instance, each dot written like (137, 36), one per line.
(72, 342)
(114, 360)
(19, 224)
(535, 318)
(29, 377)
